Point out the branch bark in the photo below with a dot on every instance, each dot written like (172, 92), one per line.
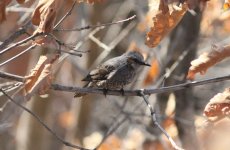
(150, 91)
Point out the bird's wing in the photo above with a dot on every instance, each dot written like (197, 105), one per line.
(100, 73)
(119, 71)
(103, 71)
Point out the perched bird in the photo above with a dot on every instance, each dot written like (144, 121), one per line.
(114, 73)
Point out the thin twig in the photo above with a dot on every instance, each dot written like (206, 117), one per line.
(111, 131)
(19, 9)
(20, 43)
(71, 53)
(35, 35)
(99, 25)
(79, 44)
(42, 123)
(154, 121)
(113, 44)
(116, 125)
(60, 43)
(11, 87)
(11, 76)
(19, 54)
(169, 71)
(66, 15)
(14, 36)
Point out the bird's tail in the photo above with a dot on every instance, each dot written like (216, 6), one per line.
(77, 94)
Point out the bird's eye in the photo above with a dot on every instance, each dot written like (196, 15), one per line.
(133, 60)
(130, 60)
(136, 60)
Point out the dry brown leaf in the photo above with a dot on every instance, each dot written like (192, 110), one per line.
(40, 78)
(152, 145)
(66, 119)
(207, 60)
(214, 136)
(219, 105)
(164, 21)
(111, 143)
(3, 4)
(153, 73)
(226, 5)
(44, 17)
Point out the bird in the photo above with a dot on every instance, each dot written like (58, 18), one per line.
(114, 73)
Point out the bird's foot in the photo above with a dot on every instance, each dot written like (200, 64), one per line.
(105, 91)
(122, 92)
(79, 95)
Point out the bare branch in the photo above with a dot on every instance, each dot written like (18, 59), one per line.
(16, 56)
(71, 53)
(15, 35)
(99, 25)
(35, 35)
(11, 76)
(154, 120)
(42, 123)
(66, 15)
(136, 92)
(149, 91)
(20, 43)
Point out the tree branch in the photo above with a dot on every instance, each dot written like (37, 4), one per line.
(14, 36)
(145, 91)
(154, 121)
(20, 43)
(99, 25)
(66, 15)
(11, 76)
(18, 55)
(149, 91)
(38, 34)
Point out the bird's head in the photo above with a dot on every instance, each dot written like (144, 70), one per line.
(136, 59)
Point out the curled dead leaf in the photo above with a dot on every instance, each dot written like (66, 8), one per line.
(44, 17)
(226, 5)
(163, 22)
(153, 73)
(112, 142)
(207, 60)
(3, 4)
(39, 80)
(219, 105)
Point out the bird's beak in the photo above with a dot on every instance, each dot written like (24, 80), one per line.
(144, 64)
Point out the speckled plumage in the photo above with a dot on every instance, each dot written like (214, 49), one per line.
(114, 73)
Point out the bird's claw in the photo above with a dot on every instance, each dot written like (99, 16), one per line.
(122, 92)
(105, 91)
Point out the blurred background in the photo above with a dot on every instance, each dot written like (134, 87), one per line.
(116, 122)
